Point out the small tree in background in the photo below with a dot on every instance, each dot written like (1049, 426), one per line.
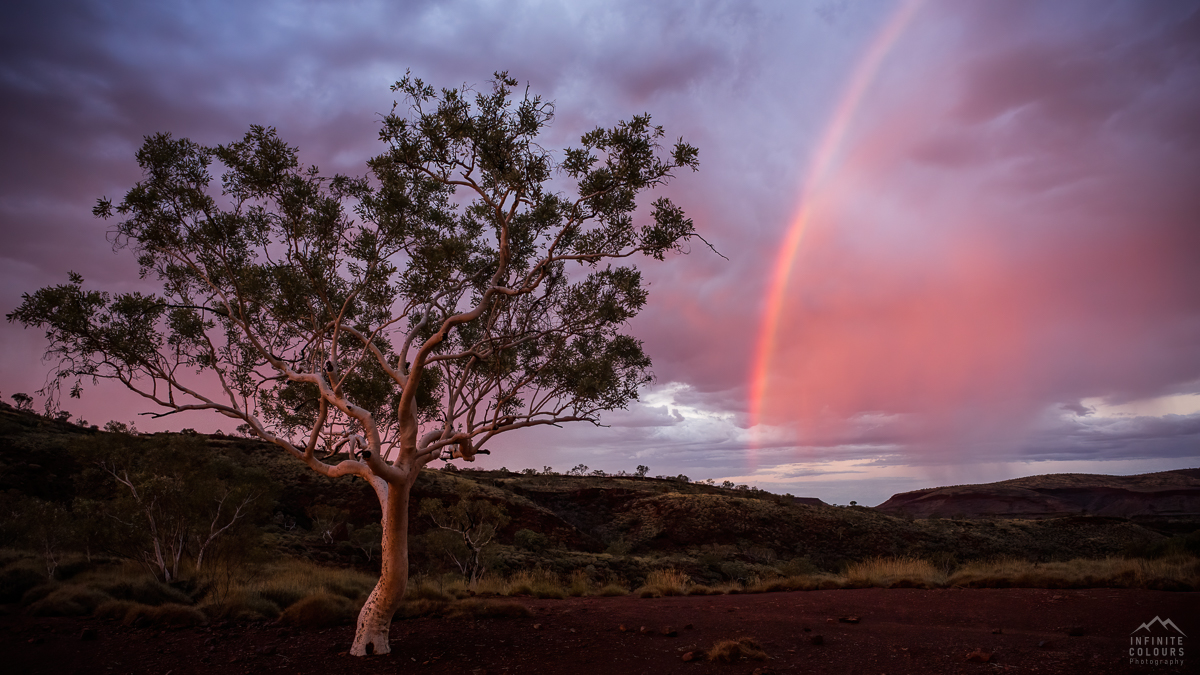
(465, 531)
(168, 500)
(24, 401)
(404, 316)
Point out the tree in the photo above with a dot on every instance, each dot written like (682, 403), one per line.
(464, 531)
(169, 499)
(24, 401)
(403, 316)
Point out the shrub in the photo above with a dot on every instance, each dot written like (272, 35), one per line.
(540, 583)
(612, 590)
(242, 605)
(68, 600)
(580, 584)
(146, 591)
(426, 591)
(902, 572)
(16, 581)
(38, 592)
(113, 609)
(283, 596)
(488, 609)
(530, 540)
(169, 614)
(728, 651)
(1172, 573)
(320, 610)
(664, 583)
(421, 607)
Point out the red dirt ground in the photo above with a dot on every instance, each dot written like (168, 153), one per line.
(898, 631)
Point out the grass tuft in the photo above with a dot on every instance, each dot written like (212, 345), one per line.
(68, 600)
(321, 610)
(113, 609)
(242, 606)
(145, 591)
(666, 582)
(897, 572)
(612, 591)
(488, 609)
(167, 614)
(412, 609)
(16, 581)
(426, 590)
(728, 651)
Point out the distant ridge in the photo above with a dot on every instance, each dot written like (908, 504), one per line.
(1161, 494)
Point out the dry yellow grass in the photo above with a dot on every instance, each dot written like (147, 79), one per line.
(899, 572)
(1181, 573)
(666, 582)
(728, 651)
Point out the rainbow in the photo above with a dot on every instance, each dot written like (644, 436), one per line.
(822, 163)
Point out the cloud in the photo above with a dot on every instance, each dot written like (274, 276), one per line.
(1007, 234)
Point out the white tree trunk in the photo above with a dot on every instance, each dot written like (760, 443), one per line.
(375, 619)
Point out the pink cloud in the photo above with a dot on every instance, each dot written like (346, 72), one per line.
(1003, 238)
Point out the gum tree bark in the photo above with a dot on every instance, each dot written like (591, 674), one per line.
(370, 325)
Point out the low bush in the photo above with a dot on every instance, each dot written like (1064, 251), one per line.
(540, 583)
(282, 595)
(412, 609)
(488, 609)
(426, 590)
(242, 606)
(666, 582)
(320, 610)
(728, 651)
(167, 614)
(898, 572)
(145, 591)
(612, 590)
(68, 600)
(1177, 573)
(113, 609)
(38, 592)
(16, 581)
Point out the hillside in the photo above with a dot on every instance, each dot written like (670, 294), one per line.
(615, 526)
(1166, 494)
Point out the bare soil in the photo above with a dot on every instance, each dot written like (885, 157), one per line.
(897, 631)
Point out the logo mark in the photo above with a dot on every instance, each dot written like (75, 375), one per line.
(1165, 624)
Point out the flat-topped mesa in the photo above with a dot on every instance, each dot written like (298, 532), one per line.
(1161, 494)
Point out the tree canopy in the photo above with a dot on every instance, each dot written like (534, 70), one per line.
(427, 305)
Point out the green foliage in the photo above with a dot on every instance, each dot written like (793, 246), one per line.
(530, 540)
(367, 539)
(435, 290)
(464, 531)
(165, 500)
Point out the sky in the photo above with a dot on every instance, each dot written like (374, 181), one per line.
(963, 238)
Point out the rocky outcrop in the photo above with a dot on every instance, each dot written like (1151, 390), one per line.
(1158, 495)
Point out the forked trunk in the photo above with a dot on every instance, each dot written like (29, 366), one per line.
(375, 619)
